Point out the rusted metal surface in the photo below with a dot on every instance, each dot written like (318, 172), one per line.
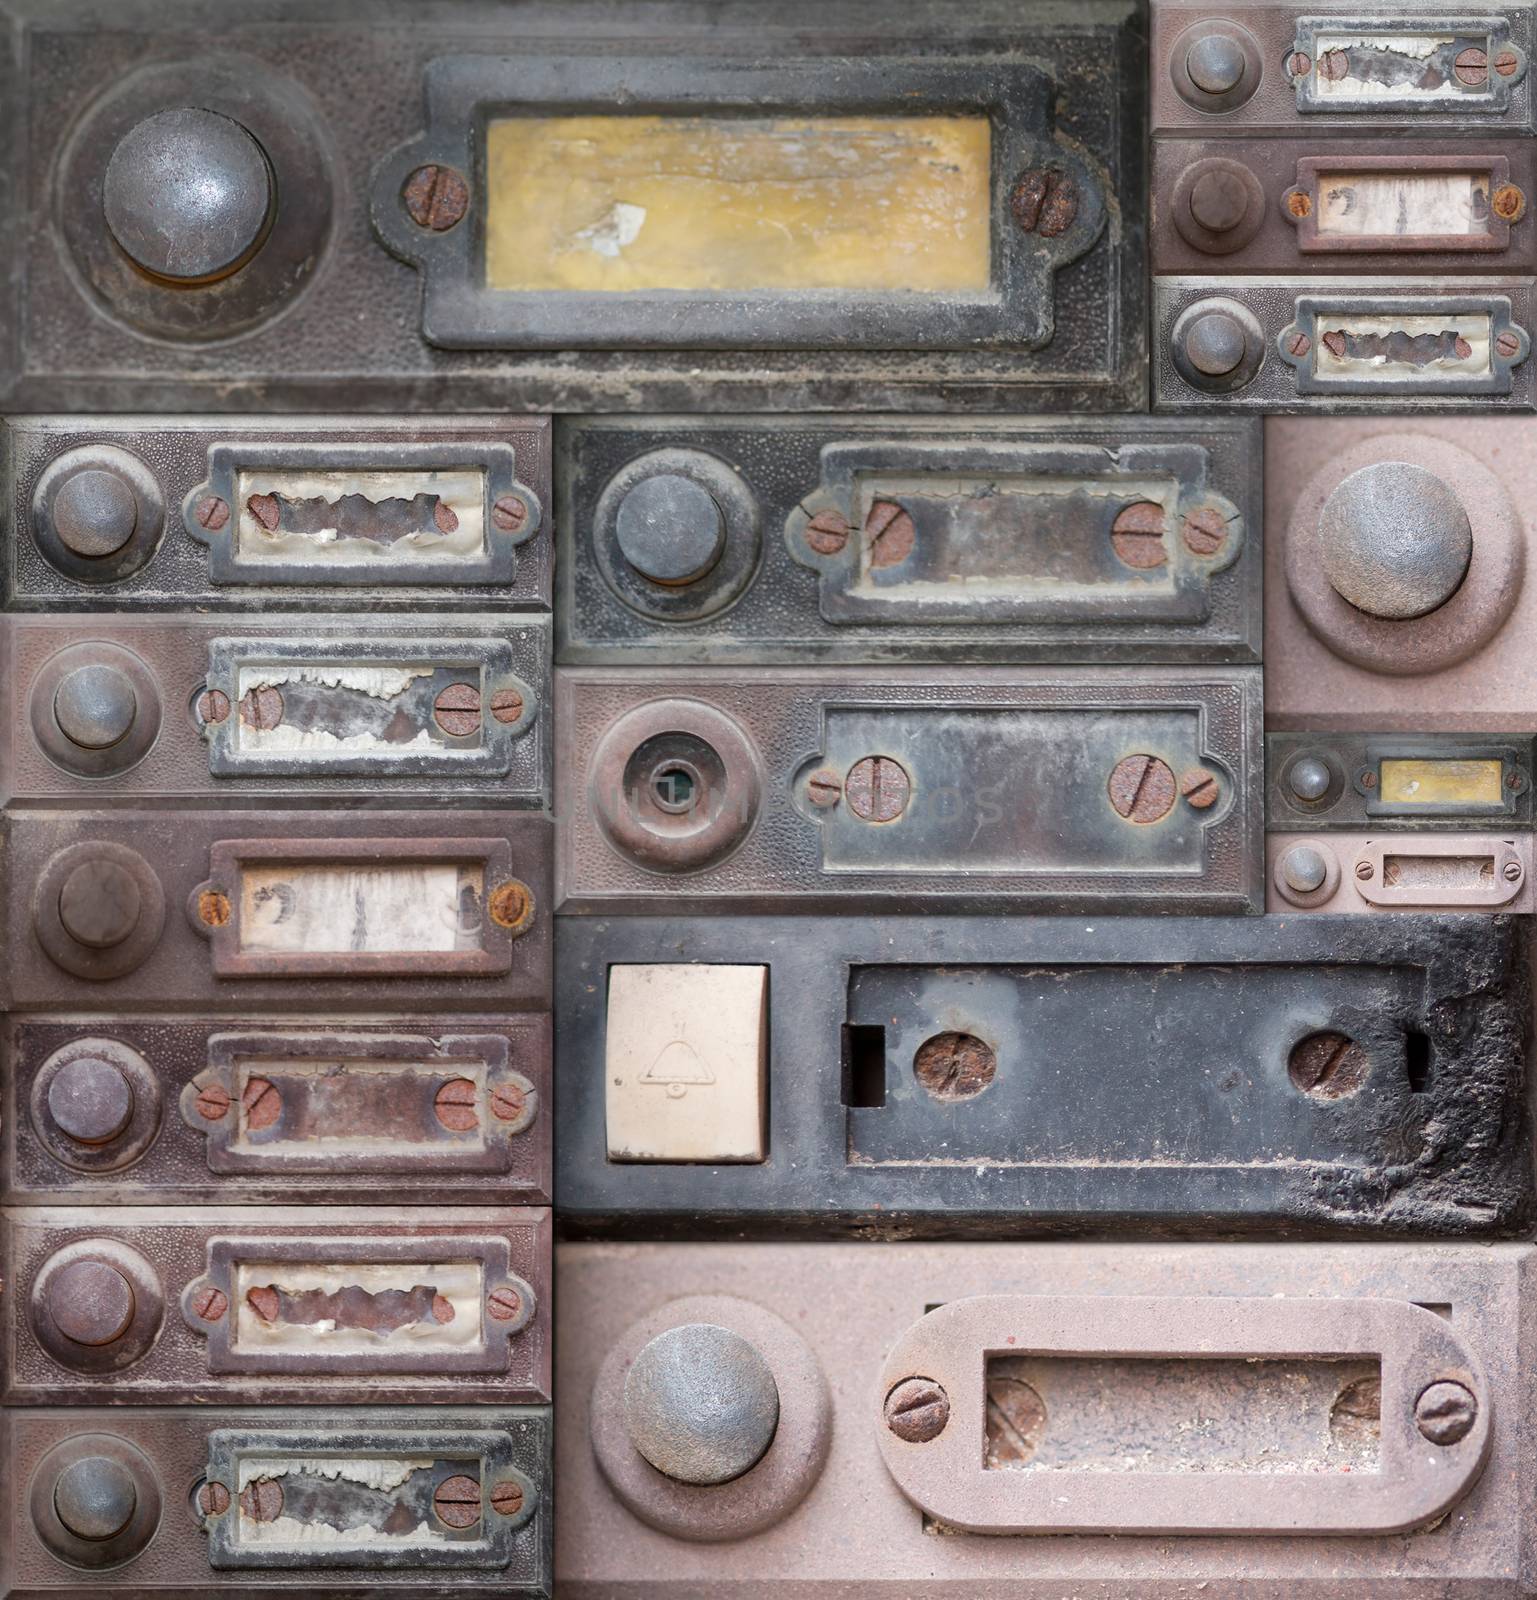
(1340, 871)
(134, 513)
(1006, 541)
(1462, 666)
(1139, 1353)
(355, 1492)
(964, 790)
(1291, 206)
(223, 1306)
(1339, 70)
(288, 904)
(328, 707)
(885, 1122)
(326, 315)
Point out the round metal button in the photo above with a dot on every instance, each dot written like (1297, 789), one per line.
(95, 706)
(1396, 540)
(1304, 868)
(1219, 199)
(701, 1404)
(99, 904)
(1215, 64)
(94, 513)
(90, 1100)
(670, 529)
(188, 194)
(1308, 779)
(95, 1497)
(90, 1302)
(1215, 343)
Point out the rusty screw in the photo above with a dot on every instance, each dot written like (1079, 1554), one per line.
(211, 512)
(1199, 788)
(212, 706)
(1506, 63)
(1137, 533)
(1299, 203)
(1142, 788)
(213, 1499)
(436, 197)
(263, 1104)
(1471, 66)
(1298, 344)
(889, 534)
(878, 789)
(210, 1304)
(262, 1501)
(506, 705)
(213, 908)
(917, 1410)
(1204, 530)
(262, 708)
(509, 513)
(504, 1304)
(508, 1102)
(1299, 64)
(1508, 203)
(955, 1066)
(1327, 1065)
(1512, 871)
(1506, 344)
(1044, 202)
(457, 1502)
(827, 533)
(1446, 1412)
(457, 710)
(512, 906)
(1333, 65)
(824, 788)
(213, 1102)
(507, 1498)
(455, 1105)
(1364, 870)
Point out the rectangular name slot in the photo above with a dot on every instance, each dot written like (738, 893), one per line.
(1413, 345)
(1368, 65)
(363, 1500)
(1447, 873)
(365, 707)
(1408, 784)
(351, 516)
(1400, 204)
(723, 203)
(1057, 1413)
(390, 1305)
(333, 907)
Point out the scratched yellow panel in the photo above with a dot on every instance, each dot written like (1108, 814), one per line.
(1442, 783)
(878, 204)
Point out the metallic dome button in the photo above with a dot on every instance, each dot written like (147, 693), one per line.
(94, 513)
(1308, 779)
(1215, 343)
(1219, 200)
(1304, 869)
(701, 1404)
(1396, 540)
(1215, 64)
(670, 529)
(90, 1302)
(90, 1100)
(188, 194)
(95, 1498)
(99, 904)
(95, 706)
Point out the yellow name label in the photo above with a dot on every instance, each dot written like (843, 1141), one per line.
(724, 204)
(1442, 783)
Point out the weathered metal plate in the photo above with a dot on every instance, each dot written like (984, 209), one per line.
(334, 706)
(1348, 344)
(892, 540)
(118, 911)
(288, 1304)
(432, 113)
(1145, 1396)
(386, 515)
(1400, 872)
(1360, 205)
(336, 1470)
(1390, 781)
(970, 1077)
(1074, 790)
(1341, 69)
(301, 1111)
(1464, 666)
